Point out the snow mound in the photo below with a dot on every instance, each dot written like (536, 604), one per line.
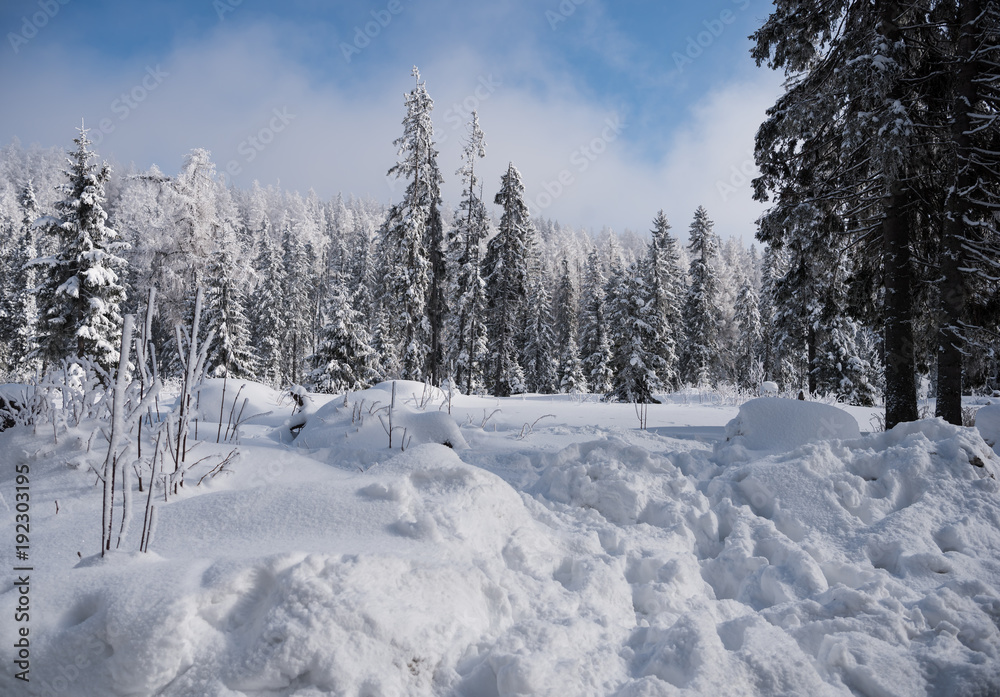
(772, 424)
(359, 421)
(878, 557)
(222, 401)
(988, 423)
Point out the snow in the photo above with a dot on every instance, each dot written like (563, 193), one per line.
(581, 556)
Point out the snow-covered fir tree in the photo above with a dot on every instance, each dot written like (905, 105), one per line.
(412, 242)
(295, 296)
(750, 347)
(540, 352)
(79, 291)
(505, 271)
(345, 359)
(268, 316)
(18, 309)
(662, 276)
(225, 313)
(699, 357)
(572, 377)
(636, 363)
(594, 337)
(467, 333)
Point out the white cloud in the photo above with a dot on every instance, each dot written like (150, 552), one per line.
(225, 93)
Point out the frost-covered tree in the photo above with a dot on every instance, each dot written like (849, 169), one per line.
(18, 309)
(505, 271)
(663, 280)
(636, 363)
(540, 352)
(700, 355)
(345, 359)
(468, 323)
(750, 347)
(295, 296)
(594, 337)
(268, 316)
(572, 377)
(79, 291)
(412, 248)
(225, 314)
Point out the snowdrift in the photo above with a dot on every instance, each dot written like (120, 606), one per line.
(835, 567)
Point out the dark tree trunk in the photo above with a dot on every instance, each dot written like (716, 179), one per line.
(951, 341)
(900, 383)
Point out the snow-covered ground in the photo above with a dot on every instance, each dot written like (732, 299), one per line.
(553, 549)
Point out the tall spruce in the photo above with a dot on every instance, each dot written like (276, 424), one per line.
(505, 271)
(79, 293)
(595, 340)
(699, 358)
(412, 247)
(468, 326)
(663, 274)
(345, 359)
(636, 364)
(571, 374)
(750, 348)
(854, 137)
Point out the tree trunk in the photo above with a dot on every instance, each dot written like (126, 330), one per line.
(951, 341)
(900, 383)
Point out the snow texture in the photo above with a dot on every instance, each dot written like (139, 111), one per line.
(578, 560)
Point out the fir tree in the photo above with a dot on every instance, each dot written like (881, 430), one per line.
(468, 326)
(225, 314)
(749, 359)
(572, 378)
(268, 317)
(635, 364)
(701, 314)
(80, 294)
(19, 309)
(505, 271)
(594, 338)
(538, 357)
(412, 242)
(345, 359)
(663, 274)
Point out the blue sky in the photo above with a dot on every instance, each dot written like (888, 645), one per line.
(611, 110)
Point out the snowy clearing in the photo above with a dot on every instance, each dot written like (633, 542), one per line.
(554, 549)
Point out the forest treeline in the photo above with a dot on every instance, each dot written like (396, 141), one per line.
(339, 294)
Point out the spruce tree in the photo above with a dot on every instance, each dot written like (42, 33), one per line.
(750, 349)
(701, 315)
(539, 355)
(571, 374)
(79, 293)
(636, 364)
(662, 276)
(505, 271)
(345, 359)
(468, 326)
(268, 316)
(594, 337)
(19, 308)
(412, 246)
(225, 313)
